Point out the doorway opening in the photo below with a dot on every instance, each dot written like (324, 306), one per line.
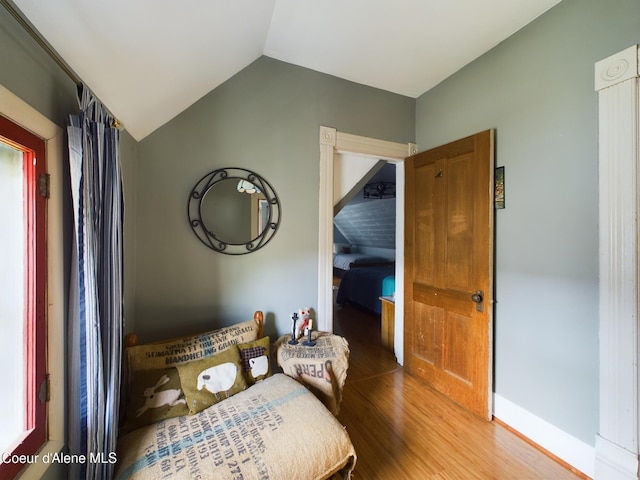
(364, 248)
(332, 145)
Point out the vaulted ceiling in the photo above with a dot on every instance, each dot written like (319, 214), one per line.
(148, 60)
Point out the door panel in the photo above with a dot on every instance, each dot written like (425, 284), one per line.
(459, 225)
(429, 333)
(448, 259)
(456, 340)
(424, 222)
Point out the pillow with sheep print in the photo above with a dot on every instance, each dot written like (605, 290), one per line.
(154, 395)
(212, 379)
(256, 359)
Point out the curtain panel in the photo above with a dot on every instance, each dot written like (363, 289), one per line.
(96, 313)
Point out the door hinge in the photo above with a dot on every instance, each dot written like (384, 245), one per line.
(43, 185)
(43, 392)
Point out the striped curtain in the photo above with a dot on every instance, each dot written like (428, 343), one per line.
(96, 292)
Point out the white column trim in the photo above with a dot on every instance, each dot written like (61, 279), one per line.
(332, 142)
(325, 234)
(617, 442)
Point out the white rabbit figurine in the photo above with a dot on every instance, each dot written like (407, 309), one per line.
(155, 399)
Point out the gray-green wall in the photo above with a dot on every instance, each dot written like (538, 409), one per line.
(537, 90)
(266, 118)
(30, 74)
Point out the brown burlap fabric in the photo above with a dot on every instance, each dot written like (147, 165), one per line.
(274, 430)
(321, 368)
(193, 347)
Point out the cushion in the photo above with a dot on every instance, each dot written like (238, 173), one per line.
(256, 359)
(154, 396)
(212, 379)
(168, 354)
(276, 429)
(185, 349)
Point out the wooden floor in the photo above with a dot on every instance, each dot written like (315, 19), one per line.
(402, 429)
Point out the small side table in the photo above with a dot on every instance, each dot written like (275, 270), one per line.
(387, 324)
(321, 368)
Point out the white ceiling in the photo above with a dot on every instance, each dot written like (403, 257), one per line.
(148, 60)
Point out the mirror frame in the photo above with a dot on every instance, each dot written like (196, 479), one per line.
(208, 237)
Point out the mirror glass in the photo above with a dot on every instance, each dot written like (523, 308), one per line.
(234, 211)
(227, 212)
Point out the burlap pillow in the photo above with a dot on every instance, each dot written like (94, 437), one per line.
(186, 349)
(154, 396)
(276, 429)
(212, 379)
(256, 359)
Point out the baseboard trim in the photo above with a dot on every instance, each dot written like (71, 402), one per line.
(614, 462)
(569, 450)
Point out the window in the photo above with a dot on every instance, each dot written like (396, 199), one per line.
(22, 297)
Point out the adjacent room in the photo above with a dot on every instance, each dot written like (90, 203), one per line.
(348, 135)
(364, 241)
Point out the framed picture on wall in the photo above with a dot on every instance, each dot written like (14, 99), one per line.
(499, 183)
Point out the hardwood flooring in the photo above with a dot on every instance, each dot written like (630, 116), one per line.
(402, 429)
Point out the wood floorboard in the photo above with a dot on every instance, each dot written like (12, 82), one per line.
(402, 429)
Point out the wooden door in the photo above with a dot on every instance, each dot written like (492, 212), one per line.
(449, 269)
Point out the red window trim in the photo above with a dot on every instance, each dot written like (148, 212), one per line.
(35, 326)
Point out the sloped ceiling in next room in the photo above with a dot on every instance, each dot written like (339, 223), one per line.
(369, 222)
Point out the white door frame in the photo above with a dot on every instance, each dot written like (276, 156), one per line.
(617, 442)
(333, 142)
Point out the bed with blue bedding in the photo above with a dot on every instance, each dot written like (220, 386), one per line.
(362, 286)
(342, 262)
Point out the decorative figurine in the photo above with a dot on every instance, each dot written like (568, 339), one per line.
(304, 315)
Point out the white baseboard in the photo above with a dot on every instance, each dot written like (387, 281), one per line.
(567, 448)
(614, 462)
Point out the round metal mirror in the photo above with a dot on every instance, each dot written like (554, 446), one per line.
(233, 211)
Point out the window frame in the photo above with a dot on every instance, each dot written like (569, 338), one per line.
(57, 256)
(33, 166)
